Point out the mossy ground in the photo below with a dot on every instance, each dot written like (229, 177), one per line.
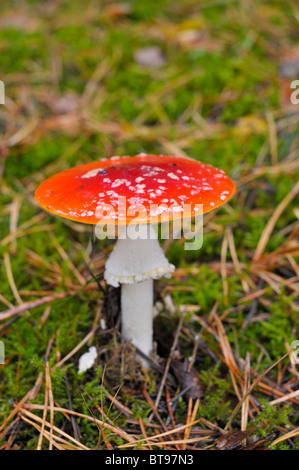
(75, 93)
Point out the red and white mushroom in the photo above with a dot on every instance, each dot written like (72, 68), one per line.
(134, 193)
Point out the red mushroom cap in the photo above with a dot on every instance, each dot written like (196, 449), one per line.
(87, 192)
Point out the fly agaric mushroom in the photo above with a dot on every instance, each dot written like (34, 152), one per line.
(135, 192)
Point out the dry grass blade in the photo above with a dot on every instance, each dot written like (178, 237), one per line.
(224, 248)
(35, 222)
(245, 404)
(127, 437)
(51, 436)
(163, 434)
(19, 233)
(225, 346)
(72, 418)
(54, 440)
(228, 356)
(33, 304)
(48, 395)
(254, 384)
(6, 302)
(271, 223)
(143, 431)
(40, 440)
(169, 406)
(283, 168)
(13, 222)
(124, 409)
(51, 402)
(79, 346)
(10, 277)
(173, 347)
(29, 396)
(9, 429)
(272, 137)
(237, 265)
(44, 317)
(153, 407)
(289, 435)
(285, 398)
(65, 257)
(183, 442)
(190, 418)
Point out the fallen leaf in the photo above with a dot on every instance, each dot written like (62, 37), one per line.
(151, 56)
(198, 39)
(186, 378)
(231, 440)
(289, 63)
(19, 21)
(70, 122)
(117, 10)
(251, 124)
(63, 104)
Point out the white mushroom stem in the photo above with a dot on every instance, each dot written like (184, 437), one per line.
(135, 261)
(137, 314)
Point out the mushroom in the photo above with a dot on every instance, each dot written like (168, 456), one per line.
(134, 194)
